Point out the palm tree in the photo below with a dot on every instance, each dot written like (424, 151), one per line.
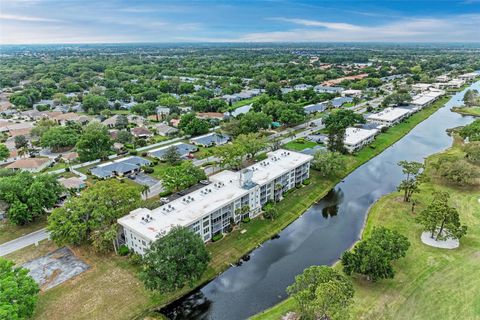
(23, 151)
(145, 190)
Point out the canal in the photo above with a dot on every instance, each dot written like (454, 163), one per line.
(321, 234)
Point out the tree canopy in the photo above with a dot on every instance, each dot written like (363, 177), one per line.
(321, 292)
(91, 218)
(177, 259)
(94, 142)
(373, 256)
(440, 219)
(28, 196)
(18, 292)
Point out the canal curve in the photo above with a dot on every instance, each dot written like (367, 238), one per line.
(321, 234)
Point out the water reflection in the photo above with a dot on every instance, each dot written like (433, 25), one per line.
(320, 235)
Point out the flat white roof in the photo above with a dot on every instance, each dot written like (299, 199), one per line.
(427, 97)
(389, 114)
(354, 136)
(225, 187)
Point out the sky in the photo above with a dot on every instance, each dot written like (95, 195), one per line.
(122, 21)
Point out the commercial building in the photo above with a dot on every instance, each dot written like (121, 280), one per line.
(230, 195)
(389, 116)
(356, 138)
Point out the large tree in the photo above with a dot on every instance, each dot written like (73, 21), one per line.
(321, 292)
(336, 123)
(440, 219)
(58, 138)
(373, 256)
(328, 163)
(18, 292)
(94, 103)
(192, 125)
(175, 260)
(94, 142)
(28, 196)
(409, 185)
(91, 218)
(182, 176)
(172, 156)
(4, 152)
(252, 143)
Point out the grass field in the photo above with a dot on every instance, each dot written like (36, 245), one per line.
(118, 293)
(9, 232)
(429, 283)
(472, 111)
(297, 145)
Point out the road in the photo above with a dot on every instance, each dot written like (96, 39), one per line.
(24, 241)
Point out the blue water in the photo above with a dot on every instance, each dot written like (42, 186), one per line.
(320, 235)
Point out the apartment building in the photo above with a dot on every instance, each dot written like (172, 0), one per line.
(230, 196)
(356, 138)
(389, 116)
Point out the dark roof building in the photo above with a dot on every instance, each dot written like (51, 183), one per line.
(210, 140)
(184, 149)
(120, 167)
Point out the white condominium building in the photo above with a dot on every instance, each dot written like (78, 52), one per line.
(389, 116)
(356, 138)
(426, 98)
(211, 209)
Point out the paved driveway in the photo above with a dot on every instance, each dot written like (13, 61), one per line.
(145, 179)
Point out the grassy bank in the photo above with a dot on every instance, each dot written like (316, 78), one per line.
(472, 111)
(429, 283)
(111, 289)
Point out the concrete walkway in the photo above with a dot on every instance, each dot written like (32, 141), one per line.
(22, 242)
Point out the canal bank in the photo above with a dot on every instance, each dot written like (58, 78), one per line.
(322, 233)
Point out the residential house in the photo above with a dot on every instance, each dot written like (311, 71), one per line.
(185, 150)
(30, 164)
(122, 167)
(210, 140)
(165, 130)
(141, 132)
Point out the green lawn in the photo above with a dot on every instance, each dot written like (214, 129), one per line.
(429, 283)
(472, 111)
(300, 144)
(9, 232)
(112, 290)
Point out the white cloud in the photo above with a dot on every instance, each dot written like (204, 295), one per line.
(452, 28)
(4, 16)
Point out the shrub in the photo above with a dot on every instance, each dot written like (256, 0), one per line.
(133, 152)
(128, 145)
(123, 250)
(135, 259)
(148, 170)
(384, 129)
(246, 220)
(165, 193)
(306, 182)
(217, 237)
(144, 154)
(67, 169)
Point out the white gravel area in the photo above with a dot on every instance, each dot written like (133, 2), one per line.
(442, 244)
